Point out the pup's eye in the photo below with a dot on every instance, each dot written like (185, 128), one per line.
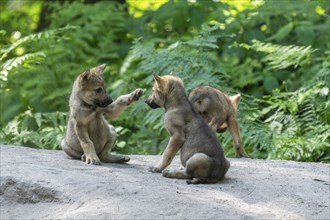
(98, 90)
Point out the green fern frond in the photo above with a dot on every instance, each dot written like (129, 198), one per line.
(323, 75)
(18, 61)
(297, 119)
(281, 57)
(208, 38)
(33, 37)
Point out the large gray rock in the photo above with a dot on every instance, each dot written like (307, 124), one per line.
(43, 184)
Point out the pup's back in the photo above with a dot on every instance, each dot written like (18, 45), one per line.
(211, 103)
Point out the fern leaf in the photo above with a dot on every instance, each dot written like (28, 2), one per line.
(18, 61)
(33, 37)
(281, 57)
(208, 38)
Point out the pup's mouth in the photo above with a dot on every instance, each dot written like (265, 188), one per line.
(151, 103)
(103, 103)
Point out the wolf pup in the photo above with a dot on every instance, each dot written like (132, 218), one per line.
(89, 137)
(202, 155)
(219, 111)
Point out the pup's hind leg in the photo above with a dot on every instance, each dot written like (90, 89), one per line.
(69, 151)
(234, 131)
(201, 167)
(106, 156)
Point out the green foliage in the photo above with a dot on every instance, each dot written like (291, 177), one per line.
(281, 57)
(301, 126)
(25, 59)
(39, 130)
(275, 55)
(192, 58)
(69, 51)
(17, 15)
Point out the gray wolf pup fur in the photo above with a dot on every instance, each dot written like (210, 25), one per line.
(89, 137)
(219, 111)
(201, 153)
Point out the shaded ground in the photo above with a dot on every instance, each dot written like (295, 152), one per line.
(43, 184)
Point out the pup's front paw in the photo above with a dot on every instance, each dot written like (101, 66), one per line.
(136, 94)
(155, 170)
(91, 159)
(124, 159)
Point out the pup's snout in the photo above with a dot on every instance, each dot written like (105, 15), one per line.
(148, 101)
(151, 103)
(103, 103)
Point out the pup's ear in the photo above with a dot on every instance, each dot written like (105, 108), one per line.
(85, 75)
(235, 100)
(174, 74)
(98, 70)
(159, 81)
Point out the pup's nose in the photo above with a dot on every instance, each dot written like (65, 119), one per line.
(151, 103)
(103, 103)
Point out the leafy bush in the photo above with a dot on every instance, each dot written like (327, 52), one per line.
(300, 120)
(39, 130)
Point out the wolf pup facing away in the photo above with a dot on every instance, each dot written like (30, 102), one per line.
(89, 137)
(201, 153)
(219, 111)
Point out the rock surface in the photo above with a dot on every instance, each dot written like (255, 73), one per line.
(44, 184)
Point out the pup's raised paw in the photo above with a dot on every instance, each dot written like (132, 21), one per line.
(136, 94)
(154, 170)
(91, 159)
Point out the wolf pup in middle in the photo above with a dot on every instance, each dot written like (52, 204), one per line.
(201, 153)
(219, 111)
(89, 137)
